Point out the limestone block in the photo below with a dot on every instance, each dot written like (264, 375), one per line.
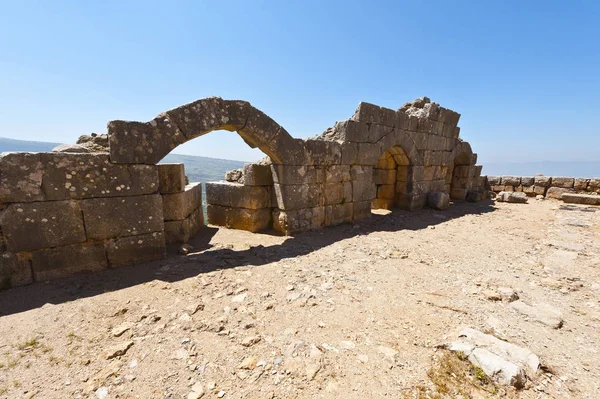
(512, 197)
(340, 213)
(539, 190)
(542, 181)
(77, 176)
(433, 157)
(126, 251)
(363, 190)
(238, 196)
(53, 263)
(458, 193)
(581, 199)
(257, 175)
(437, 185)
(293, 174)
(527, 181)
(362, 172)
(389, 117)
(557, 192)
(178, 206)
(529, 190)
(430, 172)
(494, 180)
(402, 173)
(415, 173)
(511, 181)
(475, 196)
(361, 210)
(563, 182)
(337, 193)
(581, 184)
(36, 225)
(171, 178)
(144, 143)
(519, 189)
(196, 222)
(410, 202)
(214, 113)
(351, 131)
(181, 231)
(386, 162)
(297, 220)
(386, 191)
(122, 216)
(384, 176)
(253, 220)
(21, 177)
(13, 271)
(337, 173)
(368, 153)
(322, 152)
(438, 200)
(368, 113)
(349, 153)
(377, 132)
(298, 196)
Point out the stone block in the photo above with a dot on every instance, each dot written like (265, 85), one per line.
(53, 263)
(363, 190)
(13, 271)
(179, 206)
(542, 181)
(563, 182)
(337, 173)
(171, 178)
(386, 191)
(539, 190)
(368, 113)
(297, 220)
(298, 196)
(378, 132)
(322, 152)
(122, 216)
(336, 214)
(361, 172)
(181, 231)
(361, 210)
(37, 225)
(292, 174)
(438, 200)
(378, 203)
(257, 175)
(21, 177)
(581, 199)
(527, 181)
(402, 173)
(557, 192)
(126, 251)
(337, 193)
(410, 202)
(349, 153)
(351, 131)
(78, 176)
(511, 181)
(384, 176)
(512, 197)
(368, 153)
(581, 184)
(253, 220)
(529, 190)
(458, 194)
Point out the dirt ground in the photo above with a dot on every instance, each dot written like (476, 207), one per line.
(353, 311)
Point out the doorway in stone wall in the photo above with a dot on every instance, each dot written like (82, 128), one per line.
(457, 177)
(391, 178)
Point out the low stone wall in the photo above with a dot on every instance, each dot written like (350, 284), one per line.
(548, 186)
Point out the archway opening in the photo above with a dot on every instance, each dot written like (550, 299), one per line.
(391, 178)
(458, 177)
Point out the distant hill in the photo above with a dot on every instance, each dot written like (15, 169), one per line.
(548, 168)
(196, 168)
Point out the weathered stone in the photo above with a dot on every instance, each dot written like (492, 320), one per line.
(337, 193)
(386, 191)
(544, 314)
(557, 192)
(14, 271)
(594, 185)
(527, 181)
(363, 190)
(563, 182)
(21, 180)
(368, 113)
(351, 131)
(122, 216)
(337, 173)
(75, 176)
(181, 231)
(542, 181)
(126, 251)
(384, 176)
(298, 196)
(511, 181)
(322, 152)
(253, 220)
(438, 200)
(179, 206)
(292, 174)
(298, 219)
(361, 210)
(237, 195)
(74, 148)
(340, 213)
(581, 184)
(59, 262)
(361, 172)
(581, 199)
(171, 178)
(257, 175)
(512, 197)
(37, 225)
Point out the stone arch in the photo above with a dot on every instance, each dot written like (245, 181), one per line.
(149, 142)
(399, 138)
(457, 177)
(392, 176)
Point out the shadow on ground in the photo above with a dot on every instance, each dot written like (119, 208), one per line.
(212, 258)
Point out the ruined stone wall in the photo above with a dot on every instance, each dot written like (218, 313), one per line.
(104, 202)
(548, 186)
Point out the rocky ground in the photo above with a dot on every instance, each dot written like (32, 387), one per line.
(354, 311)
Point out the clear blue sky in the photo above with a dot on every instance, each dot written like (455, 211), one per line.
(524, 74)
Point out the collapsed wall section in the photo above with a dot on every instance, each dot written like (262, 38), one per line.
(547, 186)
